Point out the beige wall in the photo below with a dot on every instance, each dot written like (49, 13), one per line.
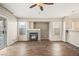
(44, 27)
(11, 26)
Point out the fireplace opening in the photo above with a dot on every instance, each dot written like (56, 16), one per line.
(33, 36)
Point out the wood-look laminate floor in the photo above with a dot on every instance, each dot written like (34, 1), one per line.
(43, 48)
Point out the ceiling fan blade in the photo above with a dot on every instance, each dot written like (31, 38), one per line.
(41, 8)
(33, 6)
(48, 3)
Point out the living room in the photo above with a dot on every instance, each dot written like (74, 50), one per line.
(45, 29)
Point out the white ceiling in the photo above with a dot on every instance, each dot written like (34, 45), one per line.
(50, 11)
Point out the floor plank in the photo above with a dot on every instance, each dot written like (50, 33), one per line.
(42, 48)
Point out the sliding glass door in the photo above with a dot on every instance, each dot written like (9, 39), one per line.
(3, 33)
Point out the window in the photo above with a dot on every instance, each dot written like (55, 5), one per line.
(22, 27)
(57, 28)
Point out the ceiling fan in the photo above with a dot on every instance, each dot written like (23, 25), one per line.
(40, 5)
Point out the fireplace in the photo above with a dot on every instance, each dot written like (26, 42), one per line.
(33, 36)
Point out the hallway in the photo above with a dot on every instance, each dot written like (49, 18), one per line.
(41, 48)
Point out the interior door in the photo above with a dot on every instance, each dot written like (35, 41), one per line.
(44, 27)
(3, 41)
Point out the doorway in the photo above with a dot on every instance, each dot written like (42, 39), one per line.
(3, 33)
(44, 28)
